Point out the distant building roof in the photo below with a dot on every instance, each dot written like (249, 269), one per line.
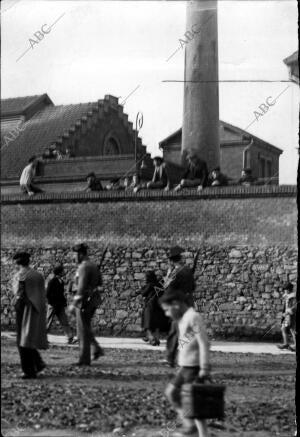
(243, 135)
(40, 131)
(19, 105)
(48, 124)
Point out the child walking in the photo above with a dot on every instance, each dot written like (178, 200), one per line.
(288, 322)
(193, 356)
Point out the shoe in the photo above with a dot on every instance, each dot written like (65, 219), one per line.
(145, 339)
(30, 193)
(41, 367)
(99, 353)
(26, 376)
(292, 348)
(72, 340)
(283, 346)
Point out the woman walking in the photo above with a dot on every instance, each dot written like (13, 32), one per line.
(30, 306)
(154, 320)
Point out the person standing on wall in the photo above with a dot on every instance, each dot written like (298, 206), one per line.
(179, 276)
(30, 306)
(86, 300)
(57, 302)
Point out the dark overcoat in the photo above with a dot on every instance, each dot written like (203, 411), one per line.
(153, 316)
(33, 333)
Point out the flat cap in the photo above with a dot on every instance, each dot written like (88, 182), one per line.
(81, 247)
(175, 251)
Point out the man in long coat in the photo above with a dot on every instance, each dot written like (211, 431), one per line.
(86, 300)
(30, 306)
(180, 277)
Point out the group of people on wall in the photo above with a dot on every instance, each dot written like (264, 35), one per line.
(196, 175)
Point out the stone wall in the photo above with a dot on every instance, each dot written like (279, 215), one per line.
(247, 252)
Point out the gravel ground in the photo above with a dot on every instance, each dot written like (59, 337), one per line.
(123, 392)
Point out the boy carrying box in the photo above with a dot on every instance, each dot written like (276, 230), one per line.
(193, 356)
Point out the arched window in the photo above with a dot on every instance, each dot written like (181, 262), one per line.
(111, 147)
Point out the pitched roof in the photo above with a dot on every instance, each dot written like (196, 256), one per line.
(40, 131)
(18, 105)
(229, 126)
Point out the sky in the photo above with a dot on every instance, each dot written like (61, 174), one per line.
(123, 48)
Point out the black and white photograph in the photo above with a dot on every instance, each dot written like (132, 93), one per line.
(149, 241)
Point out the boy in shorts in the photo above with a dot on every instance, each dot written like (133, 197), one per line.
(193, 356)
(288, 321)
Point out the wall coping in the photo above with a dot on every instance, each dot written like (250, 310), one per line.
(230, 192)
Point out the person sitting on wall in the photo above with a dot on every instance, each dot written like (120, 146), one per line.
(93, 183)
(160, 176)
(127, 183)
(217, 178)
(26, 179)
(114, 185)
(196, 174)
(246, 177)
(136, 183)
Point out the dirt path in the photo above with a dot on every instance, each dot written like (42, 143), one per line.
(125, 390)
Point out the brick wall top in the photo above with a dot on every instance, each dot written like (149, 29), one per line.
(231, 192)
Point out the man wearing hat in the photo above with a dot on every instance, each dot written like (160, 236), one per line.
(58, 302)
(179, 277)
(86, 300)
(30, 305)
(160, 176)
(288, 321)
(196, 174)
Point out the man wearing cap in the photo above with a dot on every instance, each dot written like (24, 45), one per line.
(30, 306)
(179, 277)
(196, 174)
(86, 300)
(160, 176)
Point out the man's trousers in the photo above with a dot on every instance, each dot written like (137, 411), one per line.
(85, 335)
(60, 313)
